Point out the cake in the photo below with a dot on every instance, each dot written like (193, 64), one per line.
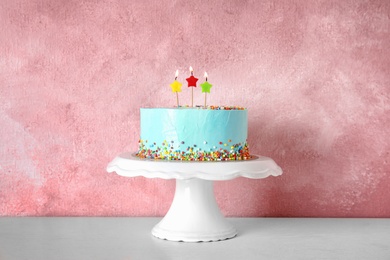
(211, 133)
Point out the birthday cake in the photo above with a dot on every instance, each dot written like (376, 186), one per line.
(211, 133)
(200, 133)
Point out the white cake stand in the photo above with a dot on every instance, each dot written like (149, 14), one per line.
(194, 215)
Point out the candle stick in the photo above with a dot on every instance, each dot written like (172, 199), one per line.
(192, 83)
(176, 87)
(192, 89)
(206, 86)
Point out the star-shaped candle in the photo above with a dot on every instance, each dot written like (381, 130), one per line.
(206, 86)
(192, 83)
(176, 87)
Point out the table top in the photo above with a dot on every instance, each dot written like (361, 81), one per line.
(127, 164)
(130, 238)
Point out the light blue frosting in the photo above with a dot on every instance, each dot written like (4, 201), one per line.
(202, 129)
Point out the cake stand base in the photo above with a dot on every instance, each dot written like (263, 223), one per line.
(194, 215)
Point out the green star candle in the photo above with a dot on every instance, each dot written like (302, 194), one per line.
(206, 86)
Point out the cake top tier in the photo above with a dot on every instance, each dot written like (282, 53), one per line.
(214, 133)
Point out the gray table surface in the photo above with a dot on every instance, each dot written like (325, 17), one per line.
(130, 238)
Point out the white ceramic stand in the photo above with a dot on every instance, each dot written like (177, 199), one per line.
(194, 215)
(194, 202)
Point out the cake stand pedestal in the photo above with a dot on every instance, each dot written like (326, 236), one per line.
(194, 215)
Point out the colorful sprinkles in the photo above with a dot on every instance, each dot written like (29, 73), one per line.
(193, 153)
(215, 107)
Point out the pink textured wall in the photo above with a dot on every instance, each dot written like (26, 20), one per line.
(315, 76)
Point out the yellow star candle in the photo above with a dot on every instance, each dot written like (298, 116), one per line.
(176, 87)
(206, 86)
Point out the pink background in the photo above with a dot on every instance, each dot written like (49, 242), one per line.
(315, 76)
